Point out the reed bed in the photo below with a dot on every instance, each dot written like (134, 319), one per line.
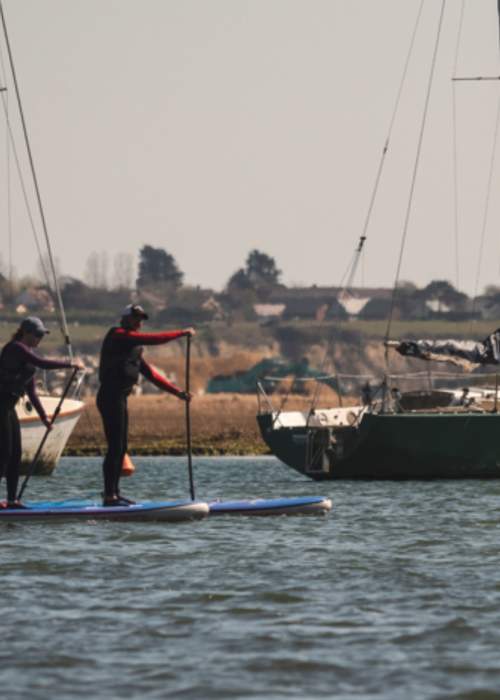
(220, 424)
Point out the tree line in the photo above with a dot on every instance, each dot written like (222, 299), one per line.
(157, 282)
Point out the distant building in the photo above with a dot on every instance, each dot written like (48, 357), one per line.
(34, 299)
(269, 312)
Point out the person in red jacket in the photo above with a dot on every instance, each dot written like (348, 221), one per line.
(121, 363)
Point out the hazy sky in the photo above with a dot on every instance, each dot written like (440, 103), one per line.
(211, 127)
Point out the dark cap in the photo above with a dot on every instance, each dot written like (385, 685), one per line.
(134, 311)
(32, 324)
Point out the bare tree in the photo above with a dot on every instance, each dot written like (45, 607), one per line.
(123, 273)
(96, 270)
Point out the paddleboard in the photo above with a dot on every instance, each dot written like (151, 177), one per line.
(166, 511)
(303, 505)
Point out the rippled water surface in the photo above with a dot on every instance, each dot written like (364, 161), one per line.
(395, 594)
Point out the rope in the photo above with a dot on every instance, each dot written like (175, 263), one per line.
(414, 175)
(63, 323)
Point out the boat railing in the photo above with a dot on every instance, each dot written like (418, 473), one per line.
(382, 393)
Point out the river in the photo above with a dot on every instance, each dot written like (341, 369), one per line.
(394, 594)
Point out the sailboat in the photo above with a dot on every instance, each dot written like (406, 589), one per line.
(391, 434)
(32, 429)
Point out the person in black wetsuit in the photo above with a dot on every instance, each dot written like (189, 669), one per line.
(120, 365)
(18, 364)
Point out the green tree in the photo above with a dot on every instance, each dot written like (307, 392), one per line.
(239, 282)
(157, 268)
(444, 292)
(258, 278)
(261, 270)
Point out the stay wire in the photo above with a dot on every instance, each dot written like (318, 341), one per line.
(364, 235)
(5, 97)
(24, 191)
(455, 148)
(487, 202)
(414, 175)
(64, 325)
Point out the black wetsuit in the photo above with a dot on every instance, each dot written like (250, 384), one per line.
(121, 364)
(17, 377)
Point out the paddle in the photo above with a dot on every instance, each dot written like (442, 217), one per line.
(47, 431)
(188, 417)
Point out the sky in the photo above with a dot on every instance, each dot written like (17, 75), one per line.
(213, 127)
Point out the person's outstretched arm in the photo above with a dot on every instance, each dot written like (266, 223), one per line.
(138, 338)
(41, 362)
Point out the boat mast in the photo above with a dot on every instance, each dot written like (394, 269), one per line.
(63, 322)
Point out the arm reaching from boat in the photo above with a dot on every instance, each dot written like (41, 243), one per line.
(466, 353)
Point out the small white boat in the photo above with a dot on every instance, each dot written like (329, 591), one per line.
(33, 430)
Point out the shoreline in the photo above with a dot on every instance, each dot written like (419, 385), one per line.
(221, 424)
(168, 449)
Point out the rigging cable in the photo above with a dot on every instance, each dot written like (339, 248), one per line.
(24, 191)
(12, 148)
(5, 99)
(414, 176)
(487, 202)
(63, 324)
(359, 249)
(455, 149)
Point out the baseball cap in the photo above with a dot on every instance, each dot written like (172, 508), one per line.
(32, 324)
(134, 310)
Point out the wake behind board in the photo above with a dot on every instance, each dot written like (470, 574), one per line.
(54, 511)
(305, 505)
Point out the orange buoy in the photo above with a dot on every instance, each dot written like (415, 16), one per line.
(128, 467)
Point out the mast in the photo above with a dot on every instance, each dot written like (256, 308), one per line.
(62, 314)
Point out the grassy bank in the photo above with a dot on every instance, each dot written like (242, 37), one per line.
(221, 424)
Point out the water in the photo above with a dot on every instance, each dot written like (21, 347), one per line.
(395, 594)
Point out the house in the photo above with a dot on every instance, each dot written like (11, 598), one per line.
(269, 312)
(34, 299)
(326, 302)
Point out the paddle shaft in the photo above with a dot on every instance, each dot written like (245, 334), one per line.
(188, 417)
(42, 443)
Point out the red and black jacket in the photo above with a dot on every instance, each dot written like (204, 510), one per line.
(121, 360)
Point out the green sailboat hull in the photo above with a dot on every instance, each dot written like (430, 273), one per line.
(392, 446)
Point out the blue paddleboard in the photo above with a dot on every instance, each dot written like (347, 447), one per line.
(167, 511)
(302, 505)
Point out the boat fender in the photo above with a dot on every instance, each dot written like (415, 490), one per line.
(128, 467)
